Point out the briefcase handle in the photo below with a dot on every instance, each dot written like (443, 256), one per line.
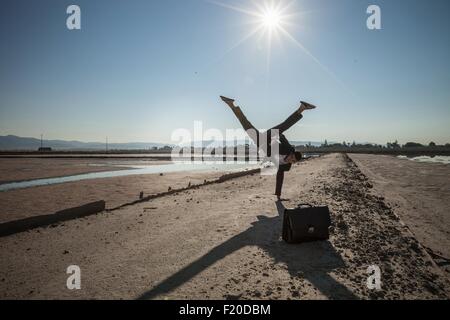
(305, 204)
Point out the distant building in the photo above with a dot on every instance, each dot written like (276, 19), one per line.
(45, 149)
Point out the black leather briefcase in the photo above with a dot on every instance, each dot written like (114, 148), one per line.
(306, 223)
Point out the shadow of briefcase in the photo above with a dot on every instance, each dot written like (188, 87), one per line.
(306, 223)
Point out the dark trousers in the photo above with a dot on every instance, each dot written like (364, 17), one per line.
(255, 134)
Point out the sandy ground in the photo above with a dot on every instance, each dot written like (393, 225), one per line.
(223, 242)
(23, 203)
(419, 193)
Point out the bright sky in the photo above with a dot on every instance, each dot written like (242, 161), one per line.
(138, 69)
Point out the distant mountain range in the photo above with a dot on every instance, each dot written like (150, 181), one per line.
(11, 143)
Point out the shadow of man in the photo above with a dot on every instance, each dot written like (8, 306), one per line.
(312, 261)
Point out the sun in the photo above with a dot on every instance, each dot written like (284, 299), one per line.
(271, 18)
(268, 18)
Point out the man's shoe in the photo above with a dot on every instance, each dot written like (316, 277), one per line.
(226, 100)
(308, 106)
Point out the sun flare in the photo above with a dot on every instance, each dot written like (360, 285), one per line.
(271, 18)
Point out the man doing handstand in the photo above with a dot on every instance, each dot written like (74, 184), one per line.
(287, 154)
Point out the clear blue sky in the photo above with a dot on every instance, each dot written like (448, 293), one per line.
(139, 69)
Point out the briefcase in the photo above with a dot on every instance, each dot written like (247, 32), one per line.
(306, 223)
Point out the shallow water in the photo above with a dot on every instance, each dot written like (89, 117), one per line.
(435, 159)
(135, 170)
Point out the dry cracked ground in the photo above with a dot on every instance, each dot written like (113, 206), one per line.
(223, 242)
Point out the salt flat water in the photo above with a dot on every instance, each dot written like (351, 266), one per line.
(435, 159)
(134, 170)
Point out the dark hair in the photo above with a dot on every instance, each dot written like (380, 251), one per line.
(298, 155)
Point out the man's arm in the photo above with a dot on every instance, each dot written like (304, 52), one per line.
(279, 186)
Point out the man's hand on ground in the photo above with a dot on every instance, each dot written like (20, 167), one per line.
(280, 199)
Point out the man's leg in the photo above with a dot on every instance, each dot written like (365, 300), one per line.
(289, 122)
(246, 124)
(293, 118)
